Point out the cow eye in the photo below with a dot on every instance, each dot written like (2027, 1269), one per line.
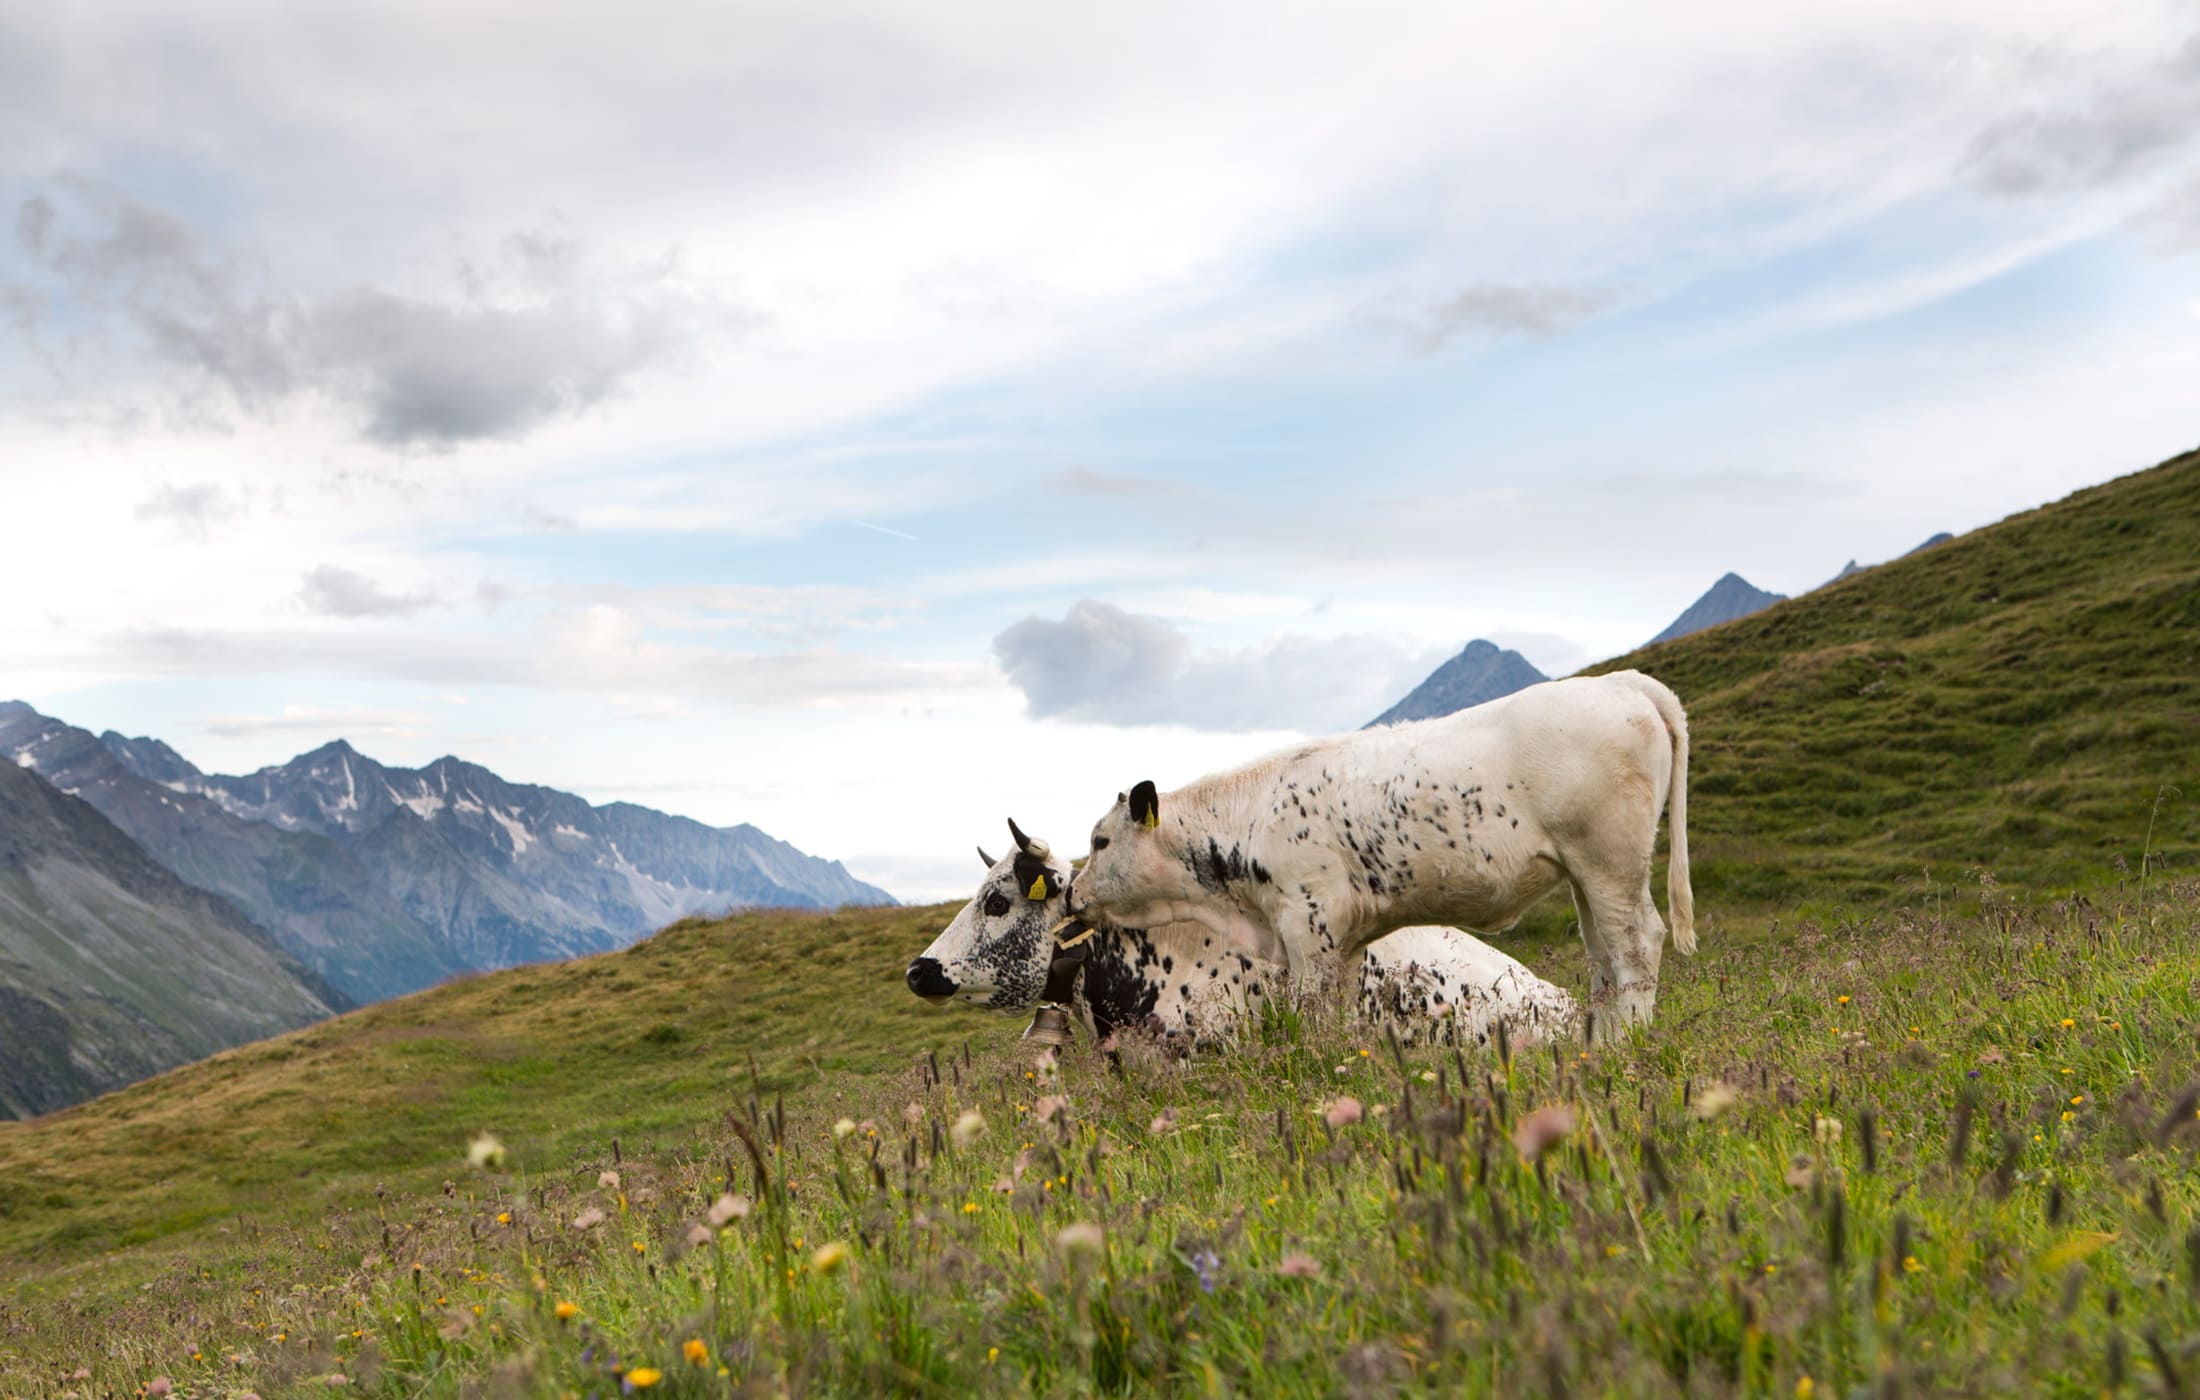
(1099, 843)
(996, 904)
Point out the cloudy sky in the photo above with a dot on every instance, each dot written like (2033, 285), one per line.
(870, 423)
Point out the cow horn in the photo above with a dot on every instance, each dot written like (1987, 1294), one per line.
(989, 861)
(1037, 850)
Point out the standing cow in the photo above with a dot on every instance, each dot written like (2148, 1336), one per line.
(1309, 854)
(1431, 983)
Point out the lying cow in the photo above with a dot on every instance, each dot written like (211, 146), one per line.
(1312, 853)
(1432, 983)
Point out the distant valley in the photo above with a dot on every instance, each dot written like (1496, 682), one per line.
(385, 880)
(111, 968)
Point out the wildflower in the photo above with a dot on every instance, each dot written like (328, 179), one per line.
(638, 1248)
(2077, 1099)
(829, 1257)
(728, 1208)
(608, 1179)
(1163, 1122)
(968, 1128)
(1206, 1266)
(992, 1354)
(1342, 1112)
(160, 1385)
(2068, 1024)
(504, 1217)
(696, 1353)
(588, 1219)
(699, 1234)
(1910, 1264)
(1081, 1238)
(486, 1152)
(844, 1130)
(1363, 1054)
(1543, 1129)
(970, 1207)
(1805, 1388)
(643, 1377)
(566, 1311)
(2068, 1115)
(1298, 1265)
(1712, 1100)
(1844, 999)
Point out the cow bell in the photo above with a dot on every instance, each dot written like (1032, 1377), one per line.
(1050, 1026)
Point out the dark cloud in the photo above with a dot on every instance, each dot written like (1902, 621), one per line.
(415, 372)
(1086, 481)
(189, 510)
(1495, 309)
(1102, 665)
(343, 593)
(2126, 126)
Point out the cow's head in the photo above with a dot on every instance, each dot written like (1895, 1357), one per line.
(1130, 877)
(997, 951)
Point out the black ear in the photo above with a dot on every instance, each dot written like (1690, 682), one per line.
(986, 858)
(1145, 805)
(1036, 880)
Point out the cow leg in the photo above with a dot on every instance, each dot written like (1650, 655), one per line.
(1625, 940)
(1321, 968)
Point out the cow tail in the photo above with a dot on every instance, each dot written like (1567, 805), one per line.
(1680, 900)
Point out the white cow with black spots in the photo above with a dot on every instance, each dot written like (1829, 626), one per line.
(1434, 984)
(1312, 853)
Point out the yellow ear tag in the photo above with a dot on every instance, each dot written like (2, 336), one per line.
(1153, 817)
(1038, 888)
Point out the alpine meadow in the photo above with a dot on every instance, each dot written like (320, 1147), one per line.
(1922, 1115)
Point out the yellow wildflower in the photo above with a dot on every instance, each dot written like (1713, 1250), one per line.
(1844, 999)
(504, 1217)
(2068, 1024)
(696, 1353)
(567, 1311)
(1910, 1264)
(1805, 1388)
(643, 1377)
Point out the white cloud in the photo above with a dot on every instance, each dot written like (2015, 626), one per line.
(1103, 665)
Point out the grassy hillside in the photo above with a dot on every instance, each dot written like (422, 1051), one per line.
(556, 1059)
(2024, 700)
(1926, 1152)
(1933, 1134)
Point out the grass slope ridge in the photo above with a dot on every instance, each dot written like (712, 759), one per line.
(2024, 698)
(112, 969)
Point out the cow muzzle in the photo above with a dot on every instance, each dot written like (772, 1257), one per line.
(929, 980)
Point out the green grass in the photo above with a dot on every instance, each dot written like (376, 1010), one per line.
(2024, 699)
(1649, 1249)
(1897, 782)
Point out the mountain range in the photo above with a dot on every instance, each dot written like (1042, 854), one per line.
(111, 968)
(385, 880)
(1481, 672)
(1731, 597)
